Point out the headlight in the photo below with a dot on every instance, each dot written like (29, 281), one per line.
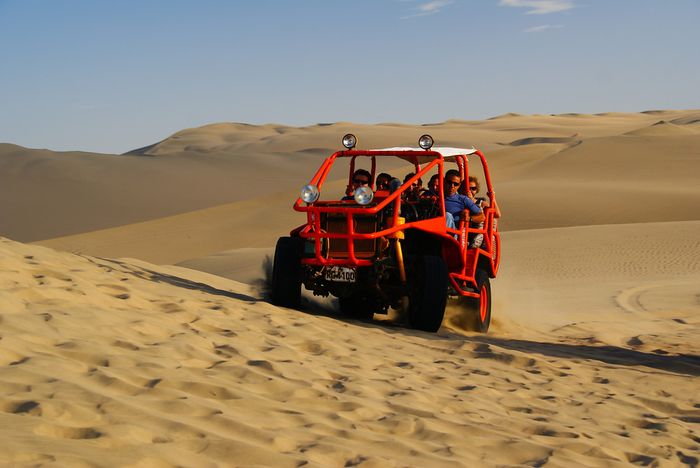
(425, 142)
(363, 195)
(349, 141)
(309, 193)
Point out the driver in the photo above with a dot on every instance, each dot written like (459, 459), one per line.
(359, 178)
(458, 206)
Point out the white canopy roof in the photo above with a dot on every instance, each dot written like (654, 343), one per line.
(443, 150)
(413, 155)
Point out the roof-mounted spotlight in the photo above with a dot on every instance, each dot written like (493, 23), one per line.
(425, 142)
(349, 141)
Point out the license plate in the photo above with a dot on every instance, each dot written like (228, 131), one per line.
(340, 274)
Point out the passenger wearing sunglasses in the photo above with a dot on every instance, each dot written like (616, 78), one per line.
(475, 240)
(473, 190)
(457, 205)
(359, 178)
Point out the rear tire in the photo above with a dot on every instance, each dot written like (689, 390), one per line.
(479, 308)
(286, 273)
(428, 293)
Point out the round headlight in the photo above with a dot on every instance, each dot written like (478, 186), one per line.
(349, 141)
(309, 193)
(363, 195)
(425, 142)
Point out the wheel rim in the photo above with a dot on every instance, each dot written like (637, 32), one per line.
(483, 304)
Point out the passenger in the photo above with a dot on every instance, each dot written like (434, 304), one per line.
(433, 184)
(458, 205)
(481, 202)
(359, 178)
(414, 191)
(472, 192)
(383, 180)
(433, 189)
(429, 206)
(476, 240)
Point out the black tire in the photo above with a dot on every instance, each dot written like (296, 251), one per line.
(427, 293)
(358, 307)
(478, 310)
(286, 273)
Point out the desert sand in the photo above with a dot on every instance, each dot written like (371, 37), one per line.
(135, 328)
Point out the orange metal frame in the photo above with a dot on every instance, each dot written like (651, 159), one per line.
(461, 276)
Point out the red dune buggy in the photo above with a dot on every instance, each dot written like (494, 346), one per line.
(376, 249)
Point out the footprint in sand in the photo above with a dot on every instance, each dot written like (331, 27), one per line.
(46, 316)
(125, 345)
(550, 432)
(23, 407)
(261, 364)
(687, 459)
(226, 351)
(651, 425)
(313, 347)
(11, 358)
(115, 290)
(635, 341)
(30, 260)
(63, 432)
(640, 459)
(170, 307)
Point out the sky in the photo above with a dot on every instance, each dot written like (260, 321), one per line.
(112, 76)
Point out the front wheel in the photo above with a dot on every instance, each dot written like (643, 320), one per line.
(428, 293)
(479, 309)
(286, 273)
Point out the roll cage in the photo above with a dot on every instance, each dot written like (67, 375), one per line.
(461, 260)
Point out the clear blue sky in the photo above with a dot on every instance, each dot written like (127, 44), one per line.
(110, 76)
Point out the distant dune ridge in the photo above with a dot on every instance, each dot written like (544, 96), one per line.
(111, 354)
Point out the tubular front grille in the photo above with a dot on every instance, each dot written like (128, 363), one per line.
(364, 248)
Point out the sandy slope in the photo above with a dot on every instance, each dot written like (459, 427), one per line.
(122, 362)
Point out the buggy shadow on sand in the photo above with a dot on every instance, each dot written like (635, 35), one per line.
(387, 248)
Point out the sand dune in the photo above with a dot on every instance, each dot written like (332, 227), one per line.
(592, 359)
(191, 235)
(692, 119)
(663, 128)
(544, 140)
(598, 180)
(45, 194)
